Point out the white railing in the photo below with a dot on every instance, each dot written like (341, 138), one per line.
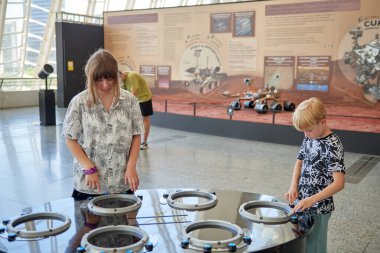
(77, 18)
(26, 84)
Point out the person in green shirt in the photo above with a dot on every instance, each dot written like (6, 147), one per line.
(136, 84)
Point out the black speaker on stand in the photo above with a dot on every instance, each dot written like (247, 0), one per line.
(46, 99)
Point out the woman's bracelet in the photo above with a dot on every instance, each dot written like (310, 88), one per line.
(89, 225)
(90, 171)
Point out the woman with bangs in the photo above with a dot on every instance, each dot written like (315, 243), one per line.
(102, 127)
(318, 174)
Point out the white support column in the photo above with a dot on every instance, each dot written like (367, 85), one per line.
(106, 5)
(153, 4)
(55, 6)
(130, 4)
(24, 41)
(91, 7)
(3, 9)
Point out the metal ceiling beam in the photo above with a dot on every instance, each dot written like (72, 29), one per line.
(3, 9)
(130, 4)
(91, 7)
(24, 38)
(49, 33)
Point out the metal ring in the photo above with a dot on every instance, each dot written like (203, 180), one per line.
(23, 233)
(122, 229)
(263, 219)
(103, 211)
(213, 200)
(217, 245)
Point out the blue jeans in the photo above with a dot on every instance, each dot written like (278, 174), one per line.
(316, 241)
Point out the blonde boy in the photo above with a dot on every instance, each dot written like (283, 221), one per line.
(319, 171)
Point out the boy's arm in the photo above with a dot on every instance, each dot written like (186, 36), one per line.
(336, 186)
(292, 193)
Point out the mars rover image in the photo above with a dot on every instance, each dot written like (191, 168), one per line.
(205, 79)
(365, 60)
(261, 100)
(200, 69)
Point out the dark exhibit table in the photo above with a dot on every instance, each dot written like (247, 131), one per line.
(157, 220)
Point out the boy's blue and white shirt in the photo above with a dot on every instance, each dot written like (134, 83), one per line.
(320, 158)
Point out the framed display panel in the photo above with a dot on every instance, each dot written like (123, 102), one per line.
(303, 48)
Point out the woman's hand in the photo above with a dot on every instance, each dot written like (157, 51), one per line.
(132, 178)
(92, 181)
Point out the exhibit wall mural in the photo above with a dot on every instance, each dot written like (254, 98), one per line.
(216, 53)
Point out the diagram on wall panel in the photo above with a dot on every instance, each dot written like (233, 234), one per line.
(200, 68)
(279, 72)
(313, 73)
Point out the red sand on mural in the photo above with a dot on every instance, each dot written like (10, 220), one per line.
(347, 107)
(339, 117)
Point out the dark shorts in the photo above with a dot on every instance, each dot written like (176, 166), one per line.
(77, 195)
(146, 108)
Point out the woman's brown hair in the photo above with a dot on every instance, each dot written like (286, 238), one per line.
(100, 65)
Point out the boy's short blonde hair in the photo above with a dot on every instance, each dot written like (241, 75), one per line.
(309, 113)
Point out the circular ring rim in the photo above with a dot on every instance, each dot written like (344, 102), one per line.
(135, 231)
(216, 245)
(264, 219)
(102, 211)
(11, 226)
(212, 200)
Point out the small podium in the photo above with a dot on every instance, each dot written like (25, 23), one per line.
(47, 107)
(46, 99)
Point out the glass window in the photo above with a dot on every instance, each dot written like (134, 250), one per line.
(99, 8)
(15, 10)
(32, 57)
(36, 29)
(11, 40)
(38, 14)
(34, 43)
(142, 4)
(191, 2)
(75, 6)
(172, 3)
(13, 26)
(116, 5)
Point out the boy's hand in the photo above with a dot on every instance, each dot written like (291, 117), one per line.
(291, 195)
(303, 204)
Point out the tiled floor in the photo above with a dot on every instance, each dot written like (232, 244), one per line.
(35, 167)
